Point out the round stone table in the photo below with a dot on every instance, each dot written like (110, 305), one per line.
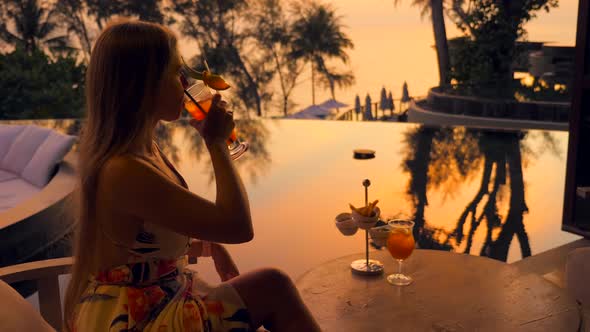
(450, 292)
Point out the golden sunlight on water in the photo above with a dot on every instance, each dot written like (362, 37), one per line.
(309, 177)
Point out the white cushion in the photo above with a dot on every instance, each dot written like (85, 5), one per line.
(39, 170)
(5, 176)
(23, 148)
(13, 192)
(8, 134)
(577, 274)
(17, 315)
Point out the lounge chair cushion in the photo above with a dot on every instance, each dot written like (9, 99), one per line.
(40, 169)
(8, 134)
(14, 192)
(32, 152)
(18, 315)
(23, 148)
(5, 176)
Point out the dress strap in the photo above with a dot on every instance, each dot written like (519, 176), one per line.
(130, 250)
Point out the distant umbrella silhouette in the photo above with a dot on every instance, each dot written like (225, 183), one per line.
(405, 96)
(405, 93)
(383, 102)
(357, 104)
(368, 111)
(390, 104)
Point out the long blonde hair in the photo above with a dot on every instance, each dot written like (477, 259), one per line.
(126, 66)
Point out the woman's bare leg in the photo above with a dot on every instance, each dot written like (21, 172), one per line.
(273, 301)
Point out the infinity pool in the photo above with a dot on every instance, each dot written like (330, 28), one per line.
(482, 192)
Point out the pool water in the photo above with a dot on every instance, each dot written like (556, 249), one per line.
(482, 192)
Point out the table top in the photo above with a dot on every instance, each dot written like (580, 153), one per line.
(450, 292)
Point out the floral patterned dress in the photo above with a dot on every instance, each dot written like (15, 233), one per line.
(155, 293)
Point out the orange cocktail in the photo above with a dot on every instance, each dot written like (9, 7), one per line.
(400, 244)
(198, 115)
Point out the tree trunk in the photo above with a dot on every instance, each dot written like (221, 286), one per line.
(332, 89)
(312, 85)
(440, 40)
(282, 80)
(253, 87)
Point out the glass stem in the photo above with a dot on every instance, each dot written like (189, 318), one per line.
(399, 266)
(367, 248)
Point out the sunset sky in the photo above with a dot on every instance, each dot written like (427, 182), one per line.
(393, 44)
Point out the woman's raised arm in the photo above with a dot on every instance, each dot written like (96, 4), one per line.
(132, 186)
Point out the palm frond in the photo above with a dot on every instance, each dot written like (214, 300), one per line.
(8, 37)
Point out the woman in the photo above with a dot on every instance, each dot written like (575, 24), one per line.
(136, 216)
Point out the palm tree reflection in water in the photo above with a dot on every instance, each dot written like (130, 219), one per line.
(443, 158)
(255, 162)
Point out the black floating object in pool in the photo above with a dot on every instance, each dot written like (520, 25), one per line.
(364, 154)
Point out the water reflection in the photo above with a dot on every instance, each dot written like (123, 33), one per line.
(254, 163)
(443, 158)
(467, 189)
(417, 161)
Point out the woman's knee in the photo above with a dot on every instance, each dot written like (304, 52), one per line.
(275, 277)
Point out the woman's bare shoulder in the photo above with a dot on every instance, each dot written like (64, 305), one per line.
(126, 170)
(121, 165)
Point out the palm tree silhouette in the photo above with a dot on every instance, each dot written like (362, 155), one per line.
(318, 37)
(33, 27)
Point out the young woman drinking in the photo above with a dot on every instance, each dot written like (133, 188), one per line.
(137, 220)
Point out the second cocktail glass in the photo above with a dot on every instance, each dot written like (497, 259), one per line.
(400, 244)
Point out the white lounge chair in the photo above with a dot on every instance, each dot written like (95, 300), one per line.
(37, 173)
(16, 314)
(29, 157)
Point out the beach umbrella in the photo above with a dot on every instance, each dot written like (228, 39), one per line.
(332, 103)
(383, 102)
(357, 104)
(311, 112)
(390, 104)
(368, 113)
(405, 93)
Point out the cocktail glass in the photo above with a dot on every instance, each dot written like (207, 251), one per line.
(400, 244)
(198, 103)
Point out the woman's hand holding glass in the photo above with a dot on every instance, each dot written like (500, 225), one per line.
(217, 125)
(198, 103)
